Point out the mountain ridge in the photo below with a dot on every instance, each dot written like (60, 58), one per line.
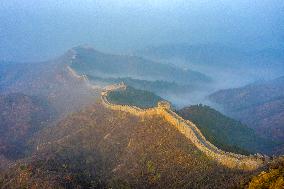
(259, 105)
(91, 62)
(190, 131)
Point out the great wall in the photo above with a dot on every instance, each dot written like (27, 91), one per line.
(190, 130)
(186, 127)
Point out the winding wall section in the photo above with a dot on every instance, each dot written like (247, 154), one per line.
(190, 131)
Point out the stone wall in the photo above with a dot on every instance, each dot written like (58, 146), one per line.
(191, 131)
(82, 78)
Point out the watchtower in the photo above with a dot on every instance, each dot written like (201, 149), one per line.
(164, 105)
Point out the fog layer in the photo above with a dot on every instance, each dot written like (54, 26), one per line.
(32, 30)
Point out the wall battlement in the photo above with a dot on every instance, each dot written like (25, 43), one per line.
(190, 130)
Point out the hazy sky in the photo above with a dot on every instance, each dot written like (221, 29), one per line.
(39, 29)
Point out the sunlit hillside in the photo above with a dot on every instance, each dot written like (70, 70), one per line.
(102, 148)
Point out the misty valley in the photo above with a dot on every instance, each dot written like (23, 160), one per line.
(167, 94)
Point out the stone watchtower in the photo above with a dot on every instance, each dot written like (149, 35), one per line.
(164, 105)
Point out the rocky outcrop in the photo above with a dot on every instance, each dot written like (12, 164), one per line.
(190, 131)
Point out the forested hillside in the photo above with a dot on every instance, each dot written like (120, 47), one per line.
(134, 97)
(226, 133)
(260, 106)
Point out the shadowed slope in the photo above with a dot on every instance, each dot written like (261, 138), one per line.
(226, 133)
(20, 117)
(259, 105)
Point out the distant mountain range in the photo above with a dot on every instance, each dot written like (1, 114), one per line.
(201, 54)
(91, 62)
(259, 105)
(229, 66)
(99, 65)
(214, 55)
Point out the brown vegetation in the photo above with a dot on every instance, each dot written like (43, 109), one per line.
(99, 147)
(270, 179)
(191, 131)
(20, 117)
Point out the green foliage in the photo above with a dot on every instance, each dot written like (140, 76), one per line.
(134, 97)
(224, 132)
(150, 167)
(23, 167)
